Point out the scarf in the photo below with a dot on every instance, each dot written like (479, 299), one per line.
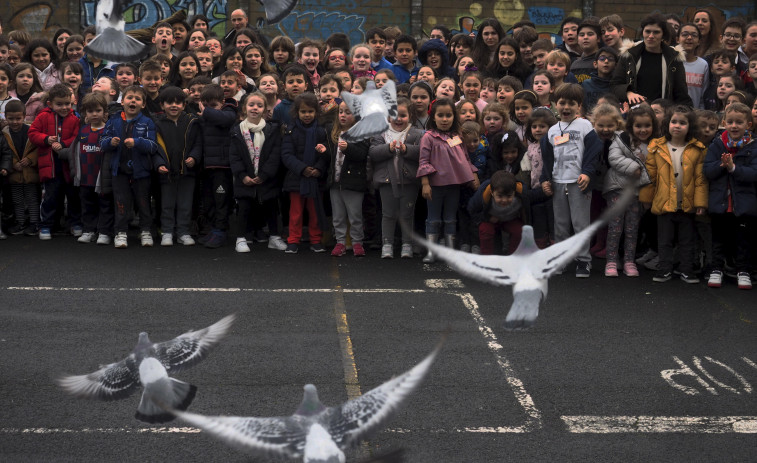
(254, 139)
(735, 145)
(397, 164)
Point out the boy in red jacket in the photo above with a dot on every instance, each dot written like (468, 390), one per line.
(52, 130)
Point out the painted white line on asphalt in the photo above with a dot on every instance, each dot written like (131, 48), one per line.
(217, 290)
(661, 424)
(533, 420)
(441, 283)
(191, 430)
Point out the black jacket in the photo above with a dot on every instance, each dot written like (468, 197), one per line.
(353, 175)
(268, 165)
(292, 156)
(177, 141)
(216, 126)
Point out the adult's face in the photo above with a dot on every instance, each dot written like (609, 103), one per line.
(238, 19)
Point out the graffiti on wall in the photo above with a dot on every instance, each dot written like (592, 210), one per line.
(38, 19)
(319, 25)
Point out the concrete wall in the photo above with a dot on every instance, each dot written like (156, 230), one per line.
(319, 18)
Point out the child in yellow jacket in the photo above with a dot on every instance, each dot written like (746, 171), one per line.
(678, 191)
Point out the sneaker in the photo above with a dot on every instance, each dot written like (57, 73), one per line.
(465, 247)
(44, 234)
(387, 251)
(260, 237)
(662, 277)
(86, 237)
(275, 242)
(204, 238)
(145, 239)
(611, 269)
(689, 278)
(120, 241)
(475, 249)
(745, 281)
(630, 270)
(292, 248)
(16, 230)
(407, 251)
(653, 263)
(317, 247)
(166, 239)
(102, 238)
(339, 250)
(186, 240)
(583, 269)
(77, 231)
(31, 230)
(3, 236)
(716, 279)
(241, 245)
(358, 250)
(216, 240)
(646, 257)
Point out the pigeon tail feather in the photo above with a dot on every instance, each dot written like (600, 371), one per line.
(524, 309)
(170, 392)
(369, 126)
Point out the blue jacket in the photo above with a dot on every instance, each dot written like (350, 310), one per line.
(145, 145)
(216, 134)
(401, 72)
(481, 202)
(594, 87)
(292, 156)
(282, 114)
(445, 70)
(742, 181)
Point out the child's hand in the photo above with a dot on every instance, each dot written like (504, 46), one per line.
(129, 142)
(426, 192)
(247, 180)
(624, 108)
(308, 172)
(186, 91)
(315, 172)
(342, 145)
(257, 180)
(18, 166)
(583, 181)
(3, 172)
(25, 162)
(320, 148)
(546, 186)
(190, 162)
(726, 160)
(115, 141)
(56, 146)
(241, 78)
(163, 169)
(475, 183)
(51, 140)
(700, 211)
(201, 106)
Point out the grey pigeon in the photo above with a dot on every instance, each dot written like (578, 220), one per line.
(111, 42)
(371, 110)
(276, 10)
(528, 268)
(316, 433)
(149, 364)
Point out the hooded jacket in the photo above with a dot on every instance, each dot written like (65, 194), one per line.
(145, 146)
(10, 157)
(445, 70)
(45, 125)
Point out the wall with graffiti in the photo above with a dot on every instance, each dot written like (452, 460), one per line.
(38, 18)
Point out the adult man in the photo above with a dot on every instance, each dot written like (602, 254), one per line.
(239, 21)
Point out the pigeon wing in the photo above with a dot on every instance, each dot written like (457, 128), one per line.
(389, 95)
(190, 348)
(111, 382)
(354, 102)
(276, 10)
(367, 127)
(496, 270)
(267, 437)
(115, 45)
(358, 418)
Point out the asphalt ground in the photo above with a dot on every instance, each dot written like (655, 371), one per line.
(614, 370)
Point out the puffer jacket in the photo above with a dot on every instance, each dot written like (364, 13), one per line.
(742, 182)
(353, 176)
(45, 125)
(382, 159)
(145, 145)
(216, 126)
(292, 156)
(623, 165)
(28, 174)
(662, 193)
(268, 165)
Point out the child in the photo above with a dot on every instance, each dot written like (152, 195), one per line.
(54, 129)
(331, 88)
(376, 39)
(360, 55)
(21, 169)
(677, 192)
(296, 82)
(707, 123)
(507, 87)
(544, 87)
(420, 98)
(697, 69)
(269, 84)
(722, 63)
(558, 63)
(627, 156)
(163, 39)
(131, 140)
(477, 147)
(347, 184)
(570, 152)
(731, 169)
(537, 128)
(524, 103)
(6, 77)
(470, 85)
(71, 74)
(26, 87)
(44, 57)
(360, 85)
(467, 111)
(405, 52)
(126, 76)
(507, 153)
(309, 56)
(282, 53)
(489, 90)
(304, 154)
(509, 61)
(195, 92)
(499, 205)
(86, 159)
(598, 83)
(394, 156)
(446, 88)
(151, 80)
(443, 166)
(383, 76)
(230, 84)
(588, 39)
(428, 74)
(613, 30)
(255, 158)
(184, 69)
(345, 76)
(496, 120)
(176, 160)
(727, 84)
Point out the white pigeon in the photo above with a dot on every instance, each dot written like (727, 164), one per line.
(528, 268)
(149, 364)
(371, 110)
(111, 42)
(316, 433)
(276, 10)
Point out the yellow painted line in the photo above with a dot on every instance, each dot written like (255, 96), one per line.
(345, 342)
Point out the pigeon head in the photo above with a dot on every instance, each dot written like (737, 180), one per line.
(310, 405)
(143, 341)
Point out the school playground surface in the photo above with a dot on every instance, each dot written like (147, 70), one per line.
(614, 370)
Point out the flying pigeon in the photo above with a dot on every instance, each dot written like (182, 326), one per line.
(372, 107)
(111, 42)
(528, 268)
(149, 364)
(276, 10)
(316, 433)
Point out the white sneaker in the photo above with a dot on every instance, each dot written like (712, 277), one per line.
(102, 238)
(275, 242)
(407, 251)
(242, 245)
(146, 239)
(387, 251)
(166, 239)
(465, 247)
(745, 280)
(186, 240)
(86, 237)
(475, 249)
(120, 241)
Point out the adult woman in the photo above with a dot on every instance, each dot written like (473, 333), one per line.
(59, 39)
(199, 21)
(489, 34)
(651, 69)
(710, 35)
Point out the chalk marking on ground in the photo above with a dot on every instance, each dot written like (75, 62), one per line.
(661, 424)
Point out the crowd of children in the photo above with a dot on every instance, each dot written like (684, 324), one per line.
(211, 136)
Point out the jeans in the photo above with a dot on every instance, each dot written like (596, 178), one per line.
(442, 207)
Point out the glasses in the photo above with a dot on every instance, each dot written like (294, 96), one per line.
(336, 58)
(606, 58)
(728, 35)
(686, 35)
